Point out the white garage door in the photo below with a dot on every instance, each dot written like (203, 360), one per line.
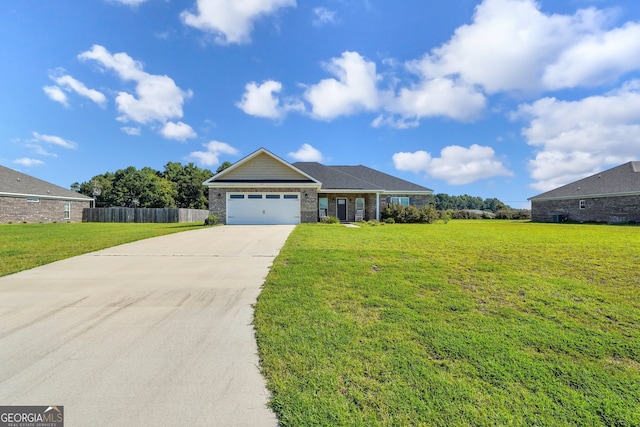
(263, 208)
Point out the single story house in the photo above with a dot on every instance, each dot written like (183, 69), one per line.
(265, 189)
(612, 196)
(24, 198)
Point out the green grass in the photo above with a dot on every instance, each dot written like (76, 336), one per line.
(24, 246)
(477, 323)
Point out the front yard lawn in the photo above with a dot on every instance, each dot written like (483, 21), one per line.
(477, 323)
(24, 246)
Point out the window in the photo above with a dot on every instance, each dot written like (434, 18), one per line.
(254, 196)
(290, 196)
(359, 209)
(583, 204)
(404, 201)
(272, 196)
(323, 203)
(236, 196)
(67, 210)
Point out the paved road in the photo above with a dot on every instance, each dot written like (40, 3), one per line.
(156, 332)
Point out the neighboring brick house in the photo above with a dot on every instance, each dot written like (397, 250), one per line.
(264, 189)
(612, 196)
(24, 198)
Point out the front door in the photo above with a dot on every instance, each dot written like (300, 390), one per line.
(342, 209)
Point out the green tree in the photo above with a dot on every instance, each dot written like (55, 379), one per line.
(130, 187)
(223, 166)
(188, 181)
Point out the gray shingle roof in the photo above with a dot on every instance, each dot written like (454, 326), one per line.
(17, 183)
(621, 180)
(357, 178)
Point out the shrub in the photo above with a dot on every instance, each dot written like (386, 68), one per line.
(445, 216)
(396, 213)
(428, 214)
(330, 220)
(211, 220)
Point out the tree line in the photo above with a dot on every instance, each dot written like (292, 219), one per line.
(177, 186)
(445, 202)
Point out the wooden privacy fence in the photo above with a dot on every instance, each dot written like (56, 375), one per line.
(118, 214)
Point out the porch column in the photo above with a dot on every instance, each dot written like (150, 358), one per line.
(377, 206)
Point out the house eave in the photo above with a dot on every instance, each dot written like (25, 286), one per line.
(254, 184)
(407, 192)
(585, 196)
(359, 190)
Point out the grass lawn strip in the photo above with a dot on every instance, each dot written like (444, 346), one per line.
(24, 246)
(465, 323)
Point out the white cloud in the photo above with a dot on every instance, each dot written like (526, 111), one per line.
(578, 138)
(323, 16)
(179, 131)
(157, 97)
(130, 2)
(596, 59)
(231, 21)
(56, 94)
(416, 162)
(511, 45)
(214, 149)
(55, 140)
(129, 130)
(307, 153)
(25, 161)
(126, 67)
(40, 150)
(260, 100)
(438, 97)
(456, 165)
(70, 84)
(354, 89)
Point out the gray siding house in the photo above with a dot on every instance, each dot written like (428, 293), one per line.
(612, 196)
(24, 198)
(265, 189)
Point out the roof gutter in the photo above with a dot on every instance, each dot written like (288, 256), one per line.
(262, 185)
(585, 196)
(43, 196)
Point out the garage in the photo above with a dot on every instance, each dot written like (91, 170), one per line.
(263, 208)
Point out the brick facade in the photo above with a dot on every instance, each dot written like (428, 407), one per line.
(37, 209)
(620, 209)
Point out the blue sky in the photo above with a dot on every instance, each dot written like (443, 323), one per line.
(493, 98)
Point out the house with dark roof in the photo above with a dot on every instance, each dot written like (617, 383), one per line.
(612, 196)
(265, 189)
(24, 198)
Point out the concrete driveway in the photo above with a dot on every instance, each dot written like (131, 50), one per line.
(156, 332)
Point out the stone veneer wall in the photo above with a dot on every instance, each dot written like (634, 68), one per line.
(18, 209)
(308, 201)
(621, 209)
